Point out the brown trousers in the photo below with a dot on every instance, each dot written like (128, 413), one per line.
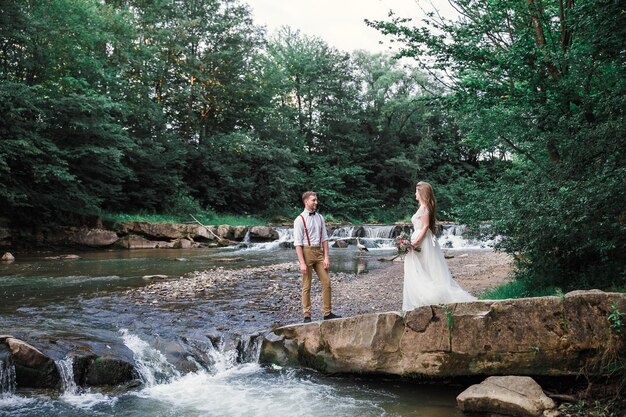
(314, 259)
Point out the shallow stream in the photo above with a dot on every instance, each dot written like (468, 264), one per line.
(185, 351)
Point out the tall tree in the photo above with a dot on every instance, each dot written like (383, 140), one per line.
(541, 84)
(55, 55)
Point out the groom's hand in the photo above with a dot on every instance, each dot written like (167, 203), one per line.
(303, 269)
(326, 262)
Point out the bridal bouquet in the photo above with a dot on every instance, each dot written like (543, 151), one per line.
(403, 244)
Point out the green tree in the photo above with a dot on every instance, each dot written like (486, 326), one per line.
(540, 84)
(55, 54)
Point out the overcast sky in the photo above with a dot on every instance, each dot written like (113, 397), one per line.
(339, 22)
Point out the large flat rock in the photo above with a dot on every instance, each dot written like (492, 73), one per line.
(549, 336)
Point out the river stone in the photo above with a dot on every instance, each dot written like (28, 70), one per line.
(64, 257)
(182, 244)
(137, 242)
(94, 237)
(239, 232)
(153, 230)
(226, 231)
(33, 369)
(7, 257)
(263, 233)
(154, 277)
(517, 396)
(99, 370)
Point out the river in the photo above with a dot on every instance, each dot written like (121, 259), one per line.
(185, 351)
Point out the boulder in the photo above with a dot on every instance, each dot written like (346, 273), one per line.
(182, 244)
(160, 230)
(543, 336)
(33, 369)
(263, 233)
(239, 232)
(517, 396)
(138, 242)
(203, 232)
(94, 237)
(340, 244)
(95, 370)
(7, 257)
(225, 231)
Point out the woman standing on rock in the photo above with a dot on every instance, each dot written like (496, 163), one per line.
(427, 280)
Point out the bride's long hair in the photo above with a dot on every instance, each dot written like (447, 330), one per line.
(427, 195)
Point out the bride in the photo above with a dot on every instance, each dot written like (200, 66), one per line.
(427, 279)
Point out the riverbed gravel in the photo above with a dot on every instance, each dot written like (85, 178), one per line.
(376, 290)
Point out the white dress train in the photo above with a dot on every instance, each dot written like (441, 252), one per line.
(427, 279)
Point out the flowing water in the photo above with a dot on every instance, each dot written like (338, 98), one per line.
(194, 358)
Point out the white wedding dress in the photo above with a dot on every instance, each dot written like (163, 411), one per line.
(427, 280)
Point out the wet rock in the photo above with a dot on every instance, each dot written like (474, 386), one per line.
(7, 257)
(235, 259)
(518, 396)
(154, 277)
(95, 370)
(239, 232)
(33, 369)
(340, 244)
(64, 257)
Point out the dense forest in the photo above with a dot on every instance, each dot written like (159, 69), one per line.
(513, 110)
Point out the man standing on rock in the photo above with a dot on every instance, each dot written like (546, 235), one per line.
(311, 241)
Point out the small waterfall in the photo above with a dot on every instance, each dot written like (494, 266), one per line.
(221, 359)
(151, 364)
(454, 236)
(246, 239)
(249, 348)
(285, 236)
(379, 232)
(344, 232)
(7, 376)
(66, 369)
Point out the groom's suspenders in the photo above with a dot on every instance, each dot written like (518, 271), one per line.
(307, 231)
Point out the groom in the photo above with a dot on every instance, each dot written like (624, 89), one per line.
(311, 241)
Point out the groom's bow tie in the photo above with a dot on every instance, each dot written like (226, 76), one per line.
(312, 213)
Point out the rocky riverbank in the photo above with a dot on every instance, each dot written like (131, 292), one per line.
(353, 294)
(381, 290)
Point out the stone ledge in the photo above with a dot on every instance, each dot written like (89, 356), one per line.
(543, 336)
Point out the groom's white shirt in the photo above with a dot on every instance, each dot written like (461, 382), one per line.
(314, 225)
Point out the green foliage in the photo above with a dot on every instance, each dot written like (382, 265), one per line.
(518, 288)
(615, 319)
(180, 107)
(597, 408)
(539, 91)
(174, 106)
(206, 218)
